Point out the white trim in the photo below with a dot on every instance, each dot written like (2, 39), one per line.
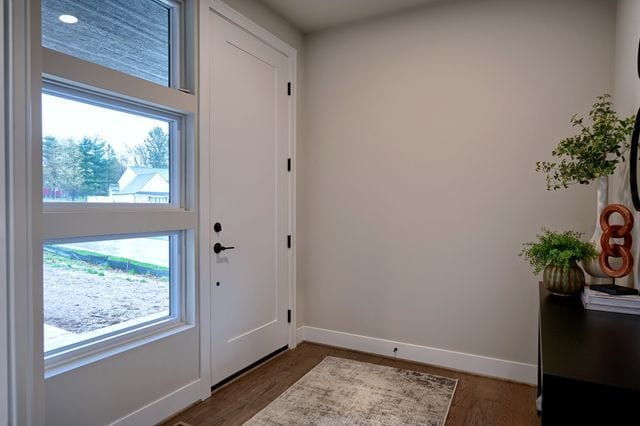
(476, 364)
(224, 10)
(71, 92)
(300, 335)
(205, 225)
(162, 408)
(97, 222)
(245, 23)
(87, 75)
(26, 366)
(103, 352)
(293, 144)
(177, 58)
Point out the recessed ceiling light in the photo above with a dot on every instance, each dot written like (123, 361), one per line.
(68, 19)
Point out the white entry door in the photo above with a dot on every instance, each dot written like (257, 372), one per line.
(249, 119)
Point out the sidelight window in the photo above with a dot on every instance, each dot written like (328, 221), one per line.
(118, 177)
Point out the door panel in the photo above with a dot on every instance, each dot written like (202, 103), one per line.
(249, 148)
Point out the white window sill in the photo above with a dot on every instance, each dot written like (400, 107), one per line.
(56, 364)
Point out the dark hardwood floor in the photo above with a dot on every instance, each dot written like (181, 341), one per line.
(477, 400)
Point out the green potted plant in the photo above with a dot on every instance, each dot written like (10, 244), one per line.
(557, 254)
(591, 155)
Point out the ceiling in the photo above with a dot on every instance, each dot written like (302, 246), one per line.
(314, 15)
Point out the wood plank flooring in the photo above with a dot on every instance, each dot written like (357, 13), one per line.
(477, 400)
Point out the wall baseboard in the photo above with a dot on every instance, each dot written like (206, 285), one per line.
(476, 364)
(164, 407)
(179, 399)
(300, 335)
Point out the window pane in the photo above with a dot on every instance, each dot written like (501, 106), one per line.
(128, 36)
(99, 155)
(101, 287)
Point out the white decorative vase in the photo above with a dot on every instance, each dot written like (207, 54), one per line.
(595, 275)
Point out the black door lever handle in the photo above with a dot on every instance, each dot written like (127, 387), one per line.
(217, 248)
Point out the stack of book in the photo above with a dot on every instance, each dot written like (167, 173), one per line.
(600, 301)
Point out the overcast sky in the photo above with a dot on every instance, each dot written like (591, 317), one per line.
(64, 118)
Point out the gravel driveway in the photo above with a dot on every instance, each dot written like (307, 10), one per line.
(79, 301)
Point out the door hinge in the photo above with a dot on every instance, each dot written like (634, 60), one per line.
(289, 316)
(288, 241)
(288, 164)
(289, 88)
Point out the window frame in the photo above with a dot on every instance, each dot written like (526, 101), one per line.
(64, 222)
(177, 21)
(177, 42)
(177, 153)
(177, 303)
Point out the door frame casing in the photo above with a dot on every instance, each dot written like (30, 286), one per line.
(23, 75)
(205, 220)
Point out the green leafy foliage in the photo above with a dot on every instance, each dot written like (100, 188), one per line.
(93, 167)
(594, 152)
(79, 168)
(555, 248)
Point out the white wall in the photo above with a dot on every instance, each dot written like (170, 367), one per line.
(421, 136)
(627, 101)
(105, 391)
(262, 15)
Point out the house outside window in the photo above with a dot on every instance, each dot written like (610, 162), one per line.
(138, 185)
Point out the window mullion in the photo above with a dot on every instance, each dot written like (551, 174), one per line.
(79, 73)
(97, 222)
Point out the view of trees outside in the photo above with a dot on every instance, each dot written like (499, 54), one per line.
(75, 167)
(154, 152)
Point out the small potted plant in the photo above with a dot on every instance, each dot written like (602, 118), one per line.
(557, 254)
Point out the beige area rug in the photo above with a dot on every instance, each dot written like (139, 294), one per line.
(340, 391)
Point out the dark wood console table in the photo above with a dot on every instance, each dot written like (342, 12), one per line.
(588, 364)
